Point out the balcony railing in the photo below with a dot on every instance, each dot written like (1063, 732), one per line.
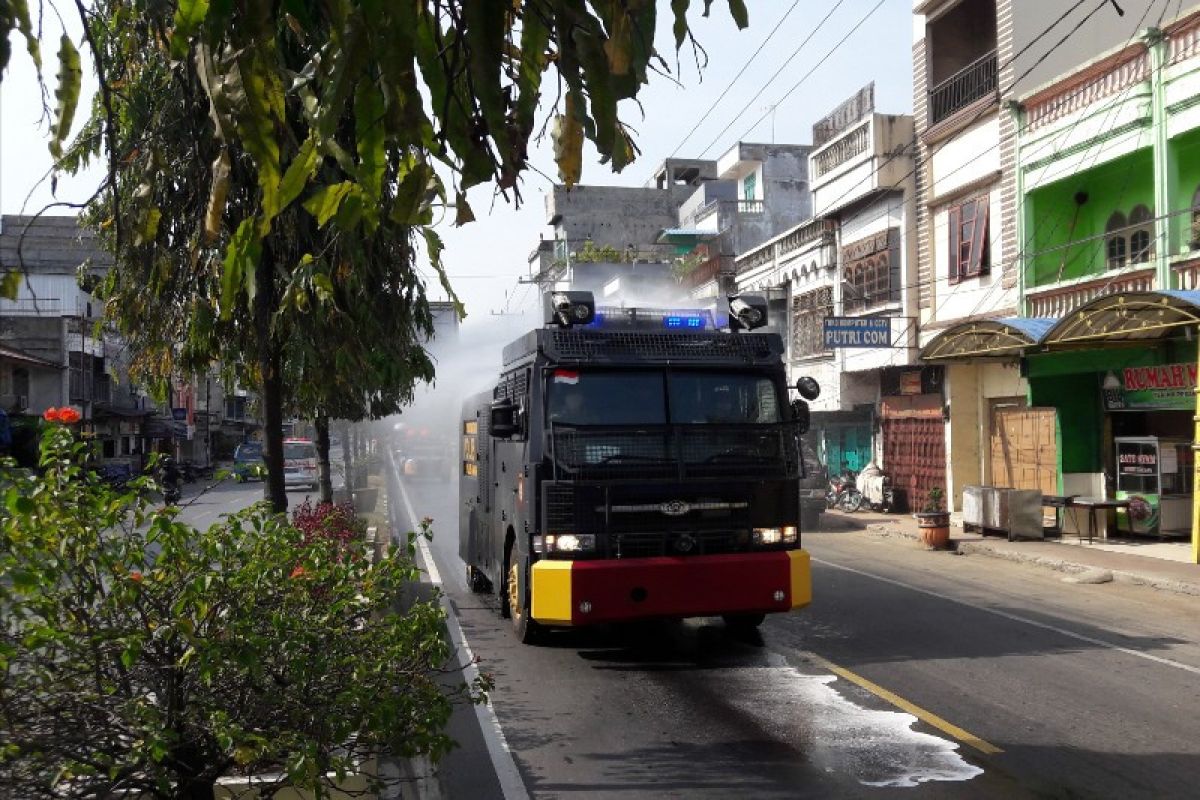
(976, 80)
(800, 236)
(1059, 300)
(853, 144)
(705, 272)
(98, 390)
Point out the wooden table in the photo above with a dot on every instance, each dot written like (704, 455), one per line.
(1094, 504)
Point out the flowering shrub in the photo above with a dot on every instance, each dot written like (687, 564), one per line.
(140, 657)
(65, 415)
(326, 521)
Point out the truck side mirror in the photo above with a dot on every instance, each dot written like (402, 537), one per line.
(801, 415)
(502, 419)
(808, 388)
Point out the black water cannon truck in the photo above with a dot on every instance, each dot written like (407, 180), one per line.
(633, 463)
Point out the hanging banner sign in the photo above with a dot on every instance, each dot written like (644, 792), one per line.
(857, 332)
(1165, 386)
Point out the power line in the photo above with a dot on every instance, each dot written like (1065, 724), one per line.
(763, 88)
(749, 61)
(814, 68)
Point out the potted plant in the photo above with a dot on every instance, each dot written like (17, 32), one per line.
(934, 520)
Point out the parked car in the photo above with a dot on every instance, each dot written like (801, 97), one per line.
(247, 461)
(300, 463)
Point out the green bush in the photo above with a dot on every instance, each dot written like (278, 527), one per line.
(142, 657)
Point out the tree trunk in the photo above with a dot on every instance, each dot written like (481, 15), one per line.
(269, 364)
(322, 425)
(348, 456)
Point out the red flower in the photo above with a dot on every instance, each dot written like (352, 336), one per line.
(135, 576)
(68, 416)
(51, 414)
(297, 572)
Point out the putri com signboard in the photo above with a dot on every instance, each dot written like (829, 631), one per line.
(840, 332)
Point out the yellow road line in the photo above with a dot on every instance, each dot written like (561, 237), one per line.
(899, 702)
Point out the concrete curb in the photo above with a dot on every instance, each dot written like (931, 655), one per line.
(1059, 563)
(1066, 565)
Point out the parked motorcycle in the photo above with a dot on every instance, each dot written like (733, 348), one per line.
(843, 493)
(876, 488)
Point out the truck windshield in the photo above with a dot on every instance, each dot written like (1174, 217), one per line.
(615, 397)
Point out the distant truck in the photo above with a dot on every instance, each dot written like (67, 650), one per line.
(636, 463)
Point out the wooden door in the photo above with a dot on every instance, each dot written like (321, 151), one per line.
(1024, 449)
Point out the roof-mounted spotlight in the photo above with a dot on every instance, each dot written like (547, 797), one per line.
(747, 312)
(565, 309)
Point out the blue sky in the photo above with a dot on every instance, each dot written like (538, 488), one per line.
(497, 244)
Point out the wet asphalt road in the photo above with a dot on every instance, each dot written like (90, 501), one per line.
(1059, 690)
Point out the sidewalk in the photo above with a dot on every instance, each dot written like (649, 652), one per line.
(1161, 565)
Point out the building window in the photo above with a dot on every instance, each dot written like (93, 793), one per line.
(750, 187)
(1194, 238)
(969, 252)
(809, 311)
(1117, 245)
(1141, 240)
(235, 408)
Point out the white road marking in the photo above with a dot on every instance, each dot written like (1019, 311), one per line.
(493, 735)
(1017, 618)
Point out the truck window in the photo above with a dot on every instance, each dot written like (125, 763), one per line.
(606, 398)
(470, 453)
(722, 397)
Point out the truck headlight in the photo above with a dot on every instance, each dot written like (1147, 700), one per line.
(570, 542)
(783, 535)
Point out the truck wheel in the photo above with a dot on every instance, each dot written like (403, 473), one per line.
(741, 623)
(526, 629)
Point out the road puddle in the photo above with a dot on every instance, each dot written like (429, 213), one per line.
(876, 748)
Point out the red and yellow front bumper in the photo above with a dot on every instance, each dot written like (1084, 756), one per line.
(586, 592)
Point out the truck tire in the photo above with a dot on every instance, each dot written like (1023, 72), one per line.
(742, 623)
(526, 630)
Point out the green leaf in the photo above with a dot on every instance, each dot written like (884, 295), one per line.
(10, 284)
(738, 9)
(188, 17)
(20, 13)
(325, 201)
(241, 260)
(298, 173)
(369, 132)
(463, 213)
(679, 9)
(70, 73)
(323, 287)
(148, 229)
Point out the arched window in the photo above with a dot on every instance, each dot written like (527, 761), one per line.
(1194, 237)
(1117, 245)
(1141, 239)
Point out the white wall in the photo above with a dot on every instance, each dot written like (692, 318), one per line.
(969, 156)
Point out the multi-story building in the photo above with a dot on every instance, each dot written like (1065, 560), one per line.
(604, 237)
(759, 190)
(974, 62)
(855, 259)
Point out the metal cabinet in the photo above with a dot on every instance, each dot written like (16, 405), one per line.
(1015, 513)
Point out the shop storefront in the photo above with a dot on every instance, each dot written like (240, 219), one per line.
(912, 417)
(1126, 419)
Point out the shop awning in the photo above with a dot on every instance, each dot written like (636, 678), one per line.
(1129, 316)
(987, 338)
(684, 235)
(21, 357)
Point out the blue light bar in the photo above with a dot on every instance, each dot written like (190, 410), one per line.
(688, 321)
(647, 319)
